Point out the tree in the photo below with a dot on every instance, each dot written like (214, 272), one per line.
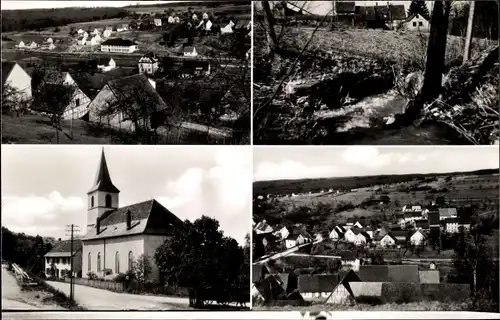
(468, 37)
(272, 40)
(141, 268)
(13, 101)
(52, 96)
(200, 257)
(419, 7)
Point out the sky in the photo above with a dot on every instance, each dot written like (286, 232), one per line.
(44, 188)
(11, 5)
(321, 162)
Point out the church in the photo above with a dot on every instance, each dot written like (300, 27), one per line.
(116, 236)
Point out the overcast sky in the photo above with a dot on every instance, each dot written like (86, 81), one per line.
(10, 5)
(272, 163)
(44, 188)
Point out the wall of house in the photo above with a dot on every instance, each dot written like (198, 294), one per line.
(64, 263)
(290, 243)
(129, 49)
(20, 81)
(108, 249)
(151, 243)
(78, 106)
(339, 296)
(99, 103)
(417, 24)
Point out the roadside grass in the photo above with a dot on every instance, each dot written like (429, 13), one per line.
(55, 296)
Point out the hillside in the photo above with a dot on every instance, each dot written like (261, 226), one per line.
(318, 184)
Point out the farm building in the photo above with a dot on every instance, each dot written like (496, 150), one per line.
(136, 91)
(148, 63)
(416, 23)
(297, 237)
(317, 287)
(33, 45)
(77, 107)
(47, 46)
(116, 236)
(118, 45)
(17, 81)
(418, 238)
(228, 28)
(388, 241)
(106, 64)
(59, 258)
(445, 213)
(189, 52)
(21, 45)
(337, 233)
(157, 22)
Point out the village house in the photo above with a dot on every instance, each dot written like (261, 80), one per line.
(107, 33)
(342, 292)
(81, 40)
(416, 22)
(80, 31)
(337, 233)
(283, 233)
(400, 236)
(362, 237)
(118, 45)
(349, 260)
(228, 28)
(157, 22)
(358, 225)
(17, 81)
(58, 259)
(33, 45)
(97, 31)
(116, 236)
(349, 224)
(316, 287)
(149, 63)
(296, 238)
(189, 52)
(350, 236)
(21, 45)
(95, 40)
(388, 241)
(106, 64)
(138, 93)
(263, 227)
(418, 238)
(446, 213)
(77, 107)
(47, 46)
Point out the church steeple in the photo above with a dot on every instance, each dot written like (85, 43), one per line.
(103, 196)
(102, 179)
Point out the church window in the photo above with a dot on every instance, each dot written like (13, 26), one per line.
(108, 200)
(98, 262)
(117, 262)
(130, 261)
(89, 262)
(92, 201)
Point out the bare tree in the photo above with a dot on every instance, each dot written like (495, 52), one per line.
(272, 41)
(468, 37)
(14, 102)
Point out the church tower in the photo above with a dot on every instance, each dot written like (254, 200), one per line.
(103, 196)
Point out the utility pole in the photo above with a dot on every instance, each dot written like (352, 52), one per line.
(334, 14)
(468, 36)
(71, 229)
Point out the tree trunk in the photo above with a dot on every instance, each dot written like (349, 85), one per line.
(272, 40)
(468, 37)
(434, 67)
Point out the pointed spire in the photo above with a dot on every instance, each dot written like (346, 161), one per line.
(103, 180)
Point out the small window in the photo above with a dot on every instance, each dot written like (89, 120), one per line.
(89, 263)
(117, 262)
(130, 261)
(77, 102)
(92, 201)
(420, 23)
(414, 24)
(98, 262)
(108, 200)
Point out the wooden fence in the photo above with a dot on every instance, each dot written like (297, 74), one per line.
(132, 287)
(100, 284)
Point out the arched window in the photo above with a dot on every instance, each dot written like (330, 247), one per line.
(89, 262)
(92, 201)
(98, 262)
(108, 200)
(130, 261)
(117, 262)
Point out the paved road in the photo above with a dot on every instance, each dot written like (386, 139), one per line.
(99, 299)
(11, 293)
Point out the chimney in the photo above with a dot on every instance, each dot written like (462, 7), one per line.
(98, 225)
(129, 219)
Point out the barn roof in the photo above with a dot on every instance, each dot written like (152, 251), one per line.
(148, 217)
(318, 282)
(118, 42)
(388, 273)
(63, 248)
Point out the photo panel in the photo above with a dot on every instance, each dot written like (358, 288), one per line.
(124, 72)
(375, 73)
(125, 228)
(376, 229)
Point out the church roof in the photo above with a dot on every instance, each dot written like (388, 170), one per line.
(148, 217)
(102, 179)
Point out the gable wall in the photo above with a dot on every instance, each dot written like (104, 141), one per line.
(19, 80)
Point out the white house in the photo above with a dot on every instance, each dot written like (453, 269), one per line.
(96, 31)
(194, 17)
(33, 45)
(177, 20)
(336, 234)
(80, 31)
(116, 236)
(362, 238)
(296, 238)
(263, 227)
(47, 46)
(387, 241)
(107, 33)
(21, 44)
(17, 80)
(118, 45)
(148, 63)
(157, 22)
(96, 40)
(81, 40)
(170, 19)
(228, 28)
(106, 64)
(358, 225)
(417, 238)
(123, 27)
(416, 23)
(446, 213)
(283, 233)
(190, 52)
(49, 40)
(58, 259)
(350, 236)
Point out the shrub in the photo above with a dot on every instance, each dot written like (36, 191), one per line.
(371, 300)
(92, 276)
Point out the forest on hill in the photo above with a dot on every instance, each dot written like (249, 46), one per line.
(36, 19)
(303, 185)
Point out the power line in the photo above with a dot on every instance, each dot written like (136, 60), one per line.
(71, 229)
